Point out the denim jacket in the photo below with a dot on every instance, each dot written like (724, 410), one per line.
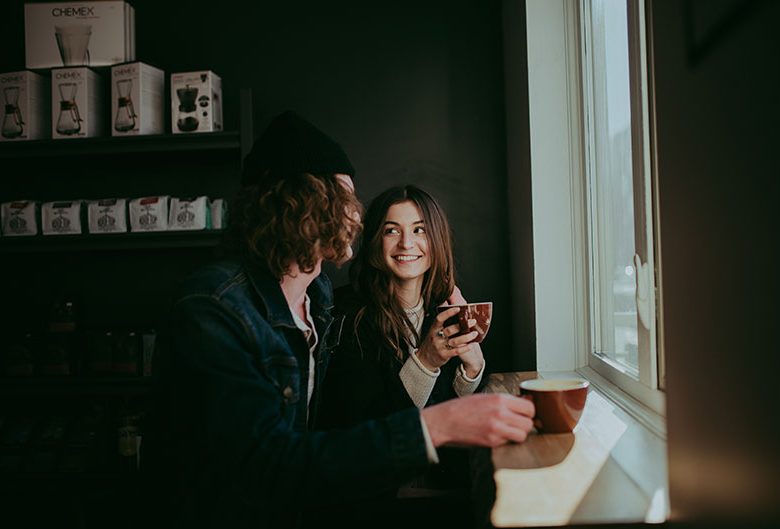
(230, 445)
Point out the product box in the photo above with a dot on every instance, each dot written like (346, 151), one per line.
(149, 213)
(61, 218)
(218, 213)
(107, 216)
(25, 106)
(76, 102)
(136, 99)
(189, 214)
(100, 33)
(20, 217)
(196, 102)
(148, 344)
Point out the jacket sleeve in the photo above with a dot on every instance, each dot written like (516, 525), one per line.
(227, 418)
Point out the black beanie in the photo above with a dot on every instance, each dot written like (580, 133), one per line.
(291, 146)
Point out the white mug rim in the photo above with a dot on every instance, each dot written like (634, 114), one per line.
(572, 384)
(466, 304)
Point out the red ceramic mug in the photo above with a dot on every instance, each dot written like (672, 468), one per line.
(482, 312)
(558, 402)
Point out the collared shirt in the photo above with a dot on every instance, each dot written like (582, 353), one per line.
(310, 334)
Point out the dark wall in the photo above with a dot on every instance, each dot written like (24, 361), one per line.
(518, 166)
(412, 90)
(717, 137)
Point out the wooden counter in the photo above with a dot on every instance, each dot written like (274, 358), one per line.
(610, 469)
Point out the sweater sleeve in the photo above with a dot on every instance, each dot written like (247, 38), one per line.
(463, 385)
(418, 380)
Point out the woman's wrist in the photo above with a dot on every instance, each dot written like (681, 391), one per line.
(472, 371)
(426, 363)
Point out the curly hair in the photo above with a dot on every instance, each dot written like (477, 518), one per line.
(371, 278)
(299, 219)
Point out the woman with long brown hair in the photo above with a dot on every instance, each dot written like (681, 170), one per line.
(398, 353)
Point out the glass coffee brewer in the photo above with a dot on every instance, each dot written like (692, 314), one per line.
(12, 120)
(73, 43)
(188, 111)
(125, 111)
(69, 121)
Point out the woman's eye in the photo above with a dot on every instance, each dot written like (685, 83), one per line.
(391, 231)
(419, 230)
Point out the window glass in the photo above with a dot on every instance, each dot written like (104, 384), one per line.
(611, 185)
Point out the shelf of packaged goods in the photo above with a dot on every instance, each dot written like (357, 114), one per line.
(88, 480)
(107, 145)
(76, 386)
(110, 241)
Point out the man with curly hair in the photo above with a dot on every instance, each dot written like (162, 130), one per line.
(232, 443)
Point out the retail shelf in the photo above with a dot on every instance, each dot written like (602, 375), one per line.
(107, 145)
(78, 481)
(75, 386)
(110, 241)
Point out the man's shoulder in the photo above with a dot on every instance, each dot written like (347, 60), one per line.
(212, 279)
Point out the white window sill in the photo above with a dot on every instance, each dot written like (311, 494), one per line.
(611, 469)
(650, 419)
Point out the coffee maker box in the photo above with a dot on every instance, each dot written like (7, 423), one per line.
(77, 103)
(218, 213)
(196, 102)
(25, 105)
(98, 33)
(136, 99)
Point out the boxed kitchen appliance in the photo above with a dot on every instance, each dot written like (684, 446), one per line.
(108, 215)
(25, 100)
(76, 102)
(98, 33)
(61, 217)
(218, 213)
(196, 102)
(136, 99)
(20, 217)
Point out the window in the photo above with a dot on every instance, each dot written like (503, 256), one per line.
(592, 189)
(621, 293)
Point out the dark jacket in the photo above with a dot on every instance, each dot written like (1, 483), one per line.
(229, 444)
(363, 375)
(363, 383)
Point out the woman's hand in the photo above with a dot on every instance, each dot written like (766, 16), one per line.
(470, 355)
(456, 298)
(440, 344)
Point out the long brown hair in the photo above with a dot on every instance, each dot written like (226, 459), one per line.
(298, 220)
(371, 277)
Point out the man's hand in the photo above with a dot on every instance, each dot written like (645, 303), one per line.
(480, 420)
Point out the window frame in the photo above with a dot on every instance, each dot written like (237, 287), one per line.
(559, 193)
(645, 388)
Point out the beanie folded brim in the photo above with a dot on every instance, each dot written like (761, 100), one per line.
(291, 146)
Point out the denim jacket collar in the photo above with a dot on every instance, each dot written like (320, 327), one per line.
(269, 290)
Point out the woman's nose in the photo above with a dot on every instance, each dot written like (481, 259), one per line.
(405, 241)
